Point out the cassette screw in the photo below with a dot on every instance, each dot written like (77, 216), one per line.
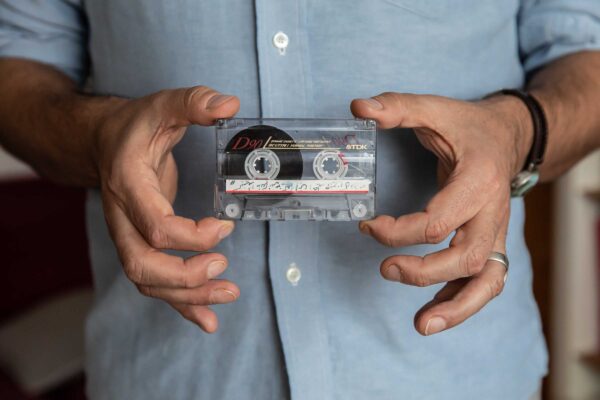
(360, 210)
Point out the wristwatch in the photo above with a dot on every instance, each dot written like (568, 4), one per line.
(529, 175)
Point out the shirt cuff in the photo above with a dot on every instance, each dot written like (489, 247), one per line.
(548, 35)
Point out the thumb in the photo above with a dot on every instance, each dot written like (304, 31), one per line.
(199, 105)
(399, 110)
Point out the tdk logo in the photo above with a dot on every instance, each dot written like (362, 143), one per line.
(356, 147)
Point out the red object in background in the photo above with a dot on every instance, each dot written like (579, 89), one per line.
(43, 252)
(43, 242)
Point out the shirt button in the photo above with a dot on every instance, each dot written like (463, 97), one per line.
(293, 274)
(281, 41)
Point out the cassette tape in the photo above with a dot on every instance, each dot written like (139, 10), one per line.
(295, 169)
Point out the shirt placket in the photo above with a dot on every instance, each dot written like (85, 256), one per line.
(283, 59)
(286, 92)
(294, 273)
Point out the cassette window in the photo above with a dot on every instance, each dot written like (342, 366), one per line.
(295, 169)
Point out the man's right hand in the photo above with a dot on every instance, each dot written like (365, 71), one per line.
(138, 178)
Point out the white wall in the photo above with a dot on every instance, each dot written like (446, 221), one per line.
(10, 167)
(575, 293)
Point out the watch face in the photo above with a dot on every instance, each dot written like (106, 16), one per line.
(524, 182)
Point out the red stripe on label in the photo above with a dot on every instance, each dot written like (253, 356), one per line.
(296, 191)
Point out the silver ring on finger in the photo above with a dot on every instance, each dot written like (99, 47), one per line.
(502, 259)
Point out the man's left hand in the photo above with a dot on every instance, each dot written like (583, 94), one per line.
(480, 147)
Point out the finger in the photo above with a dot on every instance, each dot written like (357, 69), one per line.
(146, 266)
(458, 202)
(212, 292)
(404, 110)
(199, 105)
(443, 173)
(465, 257)
(202, 316)
(468, 300)
(461, 299)
(154, 217)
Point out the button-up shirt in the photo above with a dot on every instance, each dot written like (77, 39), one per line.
(315, 320)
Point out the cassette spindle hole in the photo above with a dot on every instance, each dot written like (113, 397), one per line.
(262, 164)
(330, 164)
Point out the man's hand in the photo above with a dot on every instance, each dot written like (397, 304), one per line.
(480, 147)
(138, 178)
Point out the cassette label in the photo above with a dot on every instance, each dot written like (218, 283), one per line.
(286, 169)
(254, 186)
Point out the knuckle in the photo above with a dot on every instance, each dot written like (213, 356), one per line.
(389, 241)
(385, 96)
(436, 231)
(156, 101)
(112, 184)
(490, 175)
(187, 297)
(187, 281)
(194, 94)
(146, 290)
(158, 238)
(199, 300)
(421, 280)
(472, 262)
(495, 287)
(196, 316)
(134, 269)
(190, 93)
(187, 313)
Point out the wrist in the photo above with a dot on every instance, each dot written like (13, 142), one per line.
(104, 111)
(520, 126)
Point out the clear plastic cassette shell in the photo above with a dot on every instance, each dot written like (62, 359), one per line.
(295, 169)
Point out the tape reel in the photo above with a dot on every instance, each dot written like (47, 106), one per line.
(245, 155)
(330, 164)
(262, 164)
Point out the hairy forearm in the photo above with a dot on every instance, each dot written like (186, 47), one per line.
(47, 123)
(569, 91)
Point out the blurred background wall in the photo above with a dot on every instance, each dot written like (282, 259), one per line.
(575, 287)
(46, 286)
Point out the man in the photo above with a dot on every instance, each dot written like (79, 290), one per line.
(307, 314)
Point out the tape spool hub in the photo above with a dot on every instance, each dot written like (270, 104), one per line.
(262, 164)
(247, 155)
(330, 164)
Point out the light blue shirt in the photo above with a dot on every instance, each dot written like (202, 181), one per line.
(341, 332)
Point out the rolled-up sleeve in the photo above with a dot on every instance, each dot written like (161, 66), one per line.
(53, 32)
(549, 29)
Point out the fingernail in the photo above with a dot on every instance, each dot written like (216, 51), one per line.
(374, 104)
(215, 269)
(435, 325)
(217, 100)
(393, 273)
(225, 230)
(219, 296)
